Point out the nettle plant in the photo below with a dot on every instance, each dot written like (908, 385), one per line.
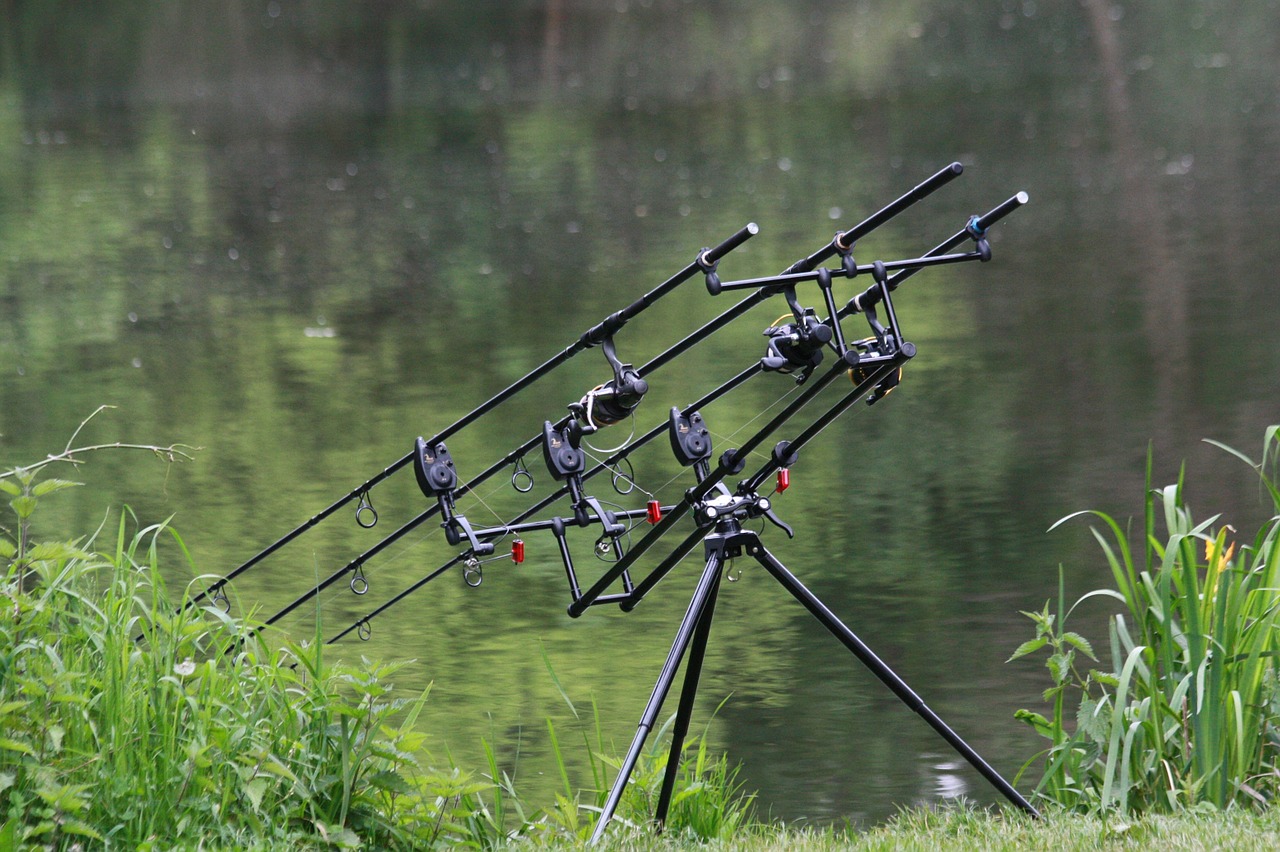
(1188, 712)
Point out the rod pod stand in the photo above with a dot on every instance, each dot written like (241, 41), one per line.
(727, 541)
(723, 516)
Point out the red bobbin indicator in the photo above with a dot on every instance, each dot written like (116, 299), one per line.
(654, 510)
(517, 551)
(784, 479)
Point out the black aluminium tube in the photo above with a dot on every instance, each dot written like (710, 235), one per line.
(888, 677)
(490, 532)
(914, 263)
(591, 337)
(703, 593)
(976, 228)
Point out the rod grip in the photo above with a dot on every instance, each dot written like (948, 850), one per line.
(927, 186)
(987, 220)
(712, 255)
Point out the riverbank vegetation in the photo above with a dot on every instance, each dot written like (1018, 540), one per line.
(133, 719)
(1187, 713)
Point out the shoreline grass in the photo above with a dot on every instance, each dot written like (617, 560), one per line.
(205, 735)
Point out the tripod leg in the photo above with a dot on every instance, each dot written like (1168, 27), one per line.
(701, 594)
(692, 671)
(664, 567)
(886, 675)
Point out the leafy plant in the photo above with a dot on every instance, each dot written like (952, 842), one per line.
(131, 719)
(1189, 713)
(199, 734)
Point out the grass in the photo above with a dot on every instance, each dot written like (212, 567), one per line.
(130, 719)
(204, 735)
(970, 830)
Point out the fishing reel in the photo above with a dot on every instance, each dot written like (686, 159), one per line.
(860, 374)
(611, 402)
(797, 345)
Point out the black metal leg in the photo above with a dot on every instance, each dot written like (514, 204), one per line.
(664, 567)
(704, 591)
(689, 691)
(886, 675)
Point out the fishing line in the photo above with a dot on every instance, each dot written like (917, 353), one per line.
(629, 478)
(733, 436)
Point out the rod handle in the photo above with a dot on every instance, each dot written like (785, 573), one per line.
(711, 256)
(981, 223)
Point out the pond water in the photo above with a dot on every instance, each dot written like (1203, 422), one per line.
(298, 236)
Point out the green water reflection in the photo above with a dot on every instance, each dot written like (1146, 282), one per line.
(300, 235)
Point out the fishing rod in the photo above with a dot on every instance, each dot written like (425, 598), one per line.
(884, 370)
(481, 547)
(841, 243)
(705, 262)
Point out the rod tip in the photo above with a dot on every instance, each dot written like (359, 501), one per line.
(955, 168)
(1022, 197)
(752, 228)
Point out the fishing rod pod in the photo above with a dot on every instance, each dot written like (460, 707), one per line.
(719, 513)
(705, 261)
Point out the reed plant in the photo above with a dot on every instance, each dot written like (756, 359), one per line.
(1187, 714)
(708, 802)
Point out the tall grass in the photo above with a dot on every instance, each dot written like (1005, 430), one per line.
(173, 741)
(1188, 714)
(203, 734)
